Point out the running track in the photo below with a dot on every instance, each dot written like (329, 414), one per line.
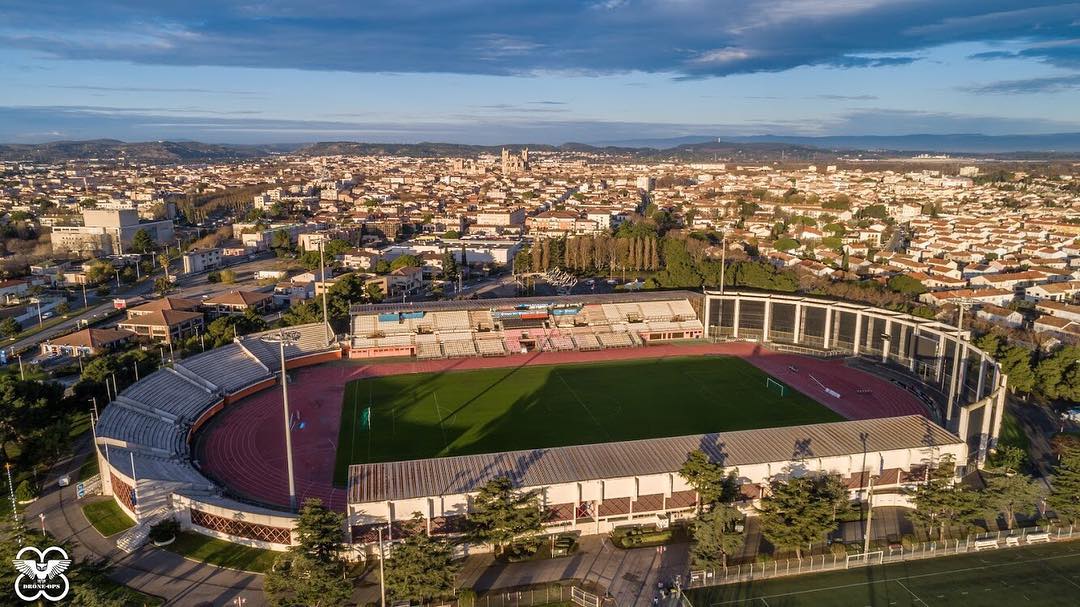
(243, 446)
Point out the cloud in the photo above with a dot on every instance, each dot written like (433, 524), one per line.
(1052, 84)
(147, 89)
(844, 97)
(688, 39)
(46, 123)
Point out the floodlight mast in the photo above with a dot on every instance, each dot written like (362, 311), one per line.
(284, 338)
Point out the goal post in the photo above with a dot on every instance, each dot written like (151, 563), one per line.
(772, 384)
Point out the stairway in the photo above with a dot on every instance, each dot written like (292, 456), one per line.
(137, 536)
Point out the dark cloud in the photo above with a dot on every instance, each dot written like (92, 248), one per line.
(1052, 84)
(691, 39)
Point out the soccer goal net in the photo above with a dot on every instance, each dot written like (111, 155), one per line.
(779, 388)
(865, 558)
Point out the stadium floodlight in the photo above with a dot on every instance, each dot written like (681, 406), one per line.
(286, 338)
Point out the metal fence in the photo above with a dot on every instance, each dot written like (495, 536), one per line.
(893, 554)
(534, 597)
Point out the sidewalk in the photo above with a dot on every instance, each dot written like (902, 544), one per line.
(157, 572)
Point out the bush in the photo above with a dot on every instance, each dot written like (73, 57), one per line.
(164, 530)
(26, 491)
(214, 276)
(909, 541)
(466, 597)
(838, 549)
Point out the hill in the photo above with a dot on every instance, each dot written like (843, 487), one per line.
(153, 152)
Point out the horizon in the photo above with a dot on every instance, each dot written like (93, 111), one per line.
(590, 72)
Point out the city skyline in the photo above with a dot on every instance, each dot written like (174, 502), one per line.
(593, 72)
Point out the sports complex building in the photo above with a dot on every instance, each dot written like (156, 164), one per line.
(422, 404)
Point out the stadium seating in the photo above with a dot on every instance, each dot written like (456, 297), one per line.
(148, 422)
(229, 368)
(458, 344)
(491, 346)
(586, 340)
(427, 346)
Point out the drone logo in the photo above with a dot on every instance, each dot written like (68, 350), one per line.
(41, 577)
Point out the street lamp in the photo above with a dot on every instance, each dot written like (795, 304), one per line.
(284, 338)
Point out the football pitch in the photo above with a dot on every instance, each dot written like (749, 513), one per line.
(1046, 575)
(458, 413)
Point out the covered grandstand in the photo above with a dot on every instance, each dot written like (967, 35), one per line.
(499, 327)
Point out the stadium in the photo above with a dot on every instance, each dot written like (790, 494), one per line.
(594, 401)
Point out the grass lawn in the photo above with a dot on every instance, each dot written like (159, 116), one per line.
(1012, 434)
(490, 410)
(107, 517)
(219, 552)
(1046, 575)
(88, 468)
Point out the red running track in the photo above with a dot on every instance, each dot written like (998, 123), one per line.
(243, 447)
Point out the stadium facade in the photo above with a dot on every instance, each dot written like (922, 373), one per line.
(144, 436)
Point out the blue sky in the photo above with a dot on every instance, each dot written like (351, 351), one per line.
(545, 71)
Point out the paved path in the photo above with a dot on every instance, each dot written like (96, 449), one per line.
(153, 571)
(630, 576)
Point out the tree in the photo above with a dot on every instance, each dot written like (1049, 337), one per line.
(406, 261)
(1016, 363)
(715, 537)
(281, 240)
(785, 244)
(1058, 376)
(421, 567)
(1064, 497)
(1008, 458)
(227, 277)
(142, 242)
(500, 514)
(941, 503)
(9, 327)
(311, 573)
(162, 286)
(713, 485)
(798, 512)
(449, 265)
(1012, 494)
(319, 531)
(373, 292)
(297, 580)
(901, 283)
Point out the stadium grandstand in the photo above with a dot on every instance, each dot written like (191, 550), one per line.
(145, 437)
(500, 327)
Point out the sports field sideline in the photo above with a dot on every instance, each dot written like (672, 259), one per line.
(482, 411)
(1046, 575)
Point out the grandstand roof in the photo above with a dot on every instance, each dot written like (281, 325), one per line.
(486, 304)
(539, 467)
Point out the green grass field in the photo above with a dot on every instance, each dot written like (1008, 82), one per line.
(490, 410)
(219, 552)
(1047, 575)
(107, 517)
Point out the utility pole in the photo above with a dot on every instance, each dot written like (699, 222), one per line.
(284, 338)
(84, 304)
(382, 557)
(869, 512)
(322, 275)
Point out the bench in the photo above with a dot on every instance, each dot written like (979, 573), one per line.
(1038, 538)
(986, 545)
(1012, 541)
